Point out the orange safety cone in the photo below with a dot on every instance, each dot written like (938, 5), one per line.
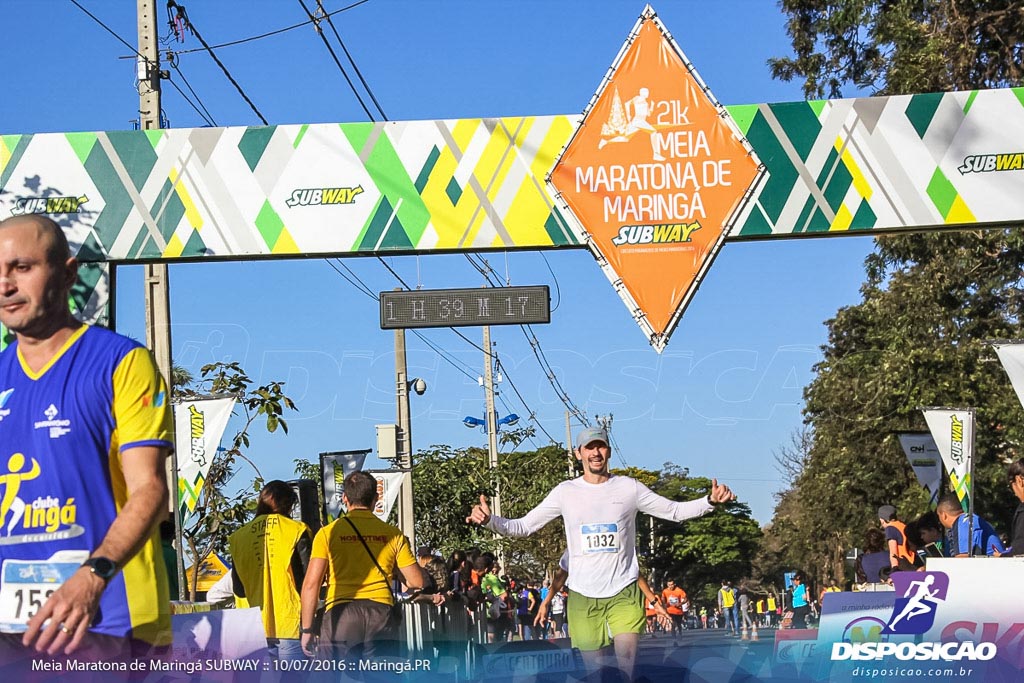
(753, 633)
(744, 635)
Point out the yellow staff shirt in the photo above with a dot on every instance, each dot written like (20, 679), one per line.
(262, 553)
(351, 574)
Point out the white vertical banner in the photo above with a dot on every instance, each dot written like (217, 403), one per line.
(334, 467)
(198, 427)
(953, 431)
(389, 484)
(923, 454)
(1011, 355)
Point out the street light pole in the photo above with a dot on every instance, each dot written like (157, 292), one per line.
(492, 428)
(405, 517)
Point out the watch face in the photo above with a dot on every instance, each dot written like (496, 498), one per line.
(102, 567)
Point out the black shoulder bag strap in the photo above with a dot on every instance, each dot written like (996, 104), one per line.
(373, 558)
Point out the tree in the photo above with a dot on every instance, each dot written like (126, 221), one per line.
(791, 459)
(219, 513)
(891, 47)
(916, 339)
(699, 553)
(929, 300)
(448, 482)
(181, 378)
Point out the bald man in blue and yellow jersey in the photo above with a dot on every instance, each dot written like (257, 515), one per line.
(85, 427)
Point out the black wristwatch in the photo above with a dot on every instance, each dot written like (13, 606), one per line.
(308, 631)
(103, 567)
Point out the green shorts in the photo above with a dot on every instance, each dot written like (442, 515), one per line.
(593, 622)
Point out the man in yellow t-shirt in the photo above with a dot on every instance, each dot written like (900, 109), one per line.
(358, 576)
(270, 555)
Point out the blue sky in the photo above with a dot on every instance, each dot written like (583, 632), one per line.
(722, 398)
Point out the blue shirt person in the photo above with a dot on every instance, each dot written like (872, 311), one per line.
(963, 541)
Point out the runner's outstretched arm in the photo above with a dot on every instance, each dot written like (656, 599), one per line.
(532, 521)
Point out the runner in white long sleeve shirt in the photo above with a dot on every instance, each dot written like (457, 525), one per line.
(599, 511)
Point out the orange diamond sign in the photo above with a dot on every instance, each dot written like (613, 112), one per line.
(655, 175)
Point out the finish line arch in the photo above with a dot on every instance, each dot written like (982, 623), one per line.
(837, 167)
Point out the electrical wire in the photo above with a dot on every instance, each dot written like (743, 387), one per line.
(359, 74)
(191, 103)
(360, 286)
(174, 65)
(275, 32)
(358, 283)
(490, 354)
(392, 271)
(615, 445)
(337, 62)
(192, 27)
(538, 351)
(441, 353)
(532, 416)
(558, 289)
(110, 31)
(508, 408)
(457, 332)
(485, 270)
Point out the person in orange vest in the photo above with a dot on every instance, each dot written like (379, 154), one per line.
(895, 537)
(270, 555)
(674, 598)
(651, 614)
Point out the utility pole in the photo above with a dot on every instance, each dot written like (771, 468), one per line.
(158, 303)
(405, 517)
(568, 444)
(158, 310)
(492, 432)
(492, 428)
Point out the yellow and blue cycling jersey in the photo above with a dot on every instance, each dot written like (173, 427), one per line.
(63, 432)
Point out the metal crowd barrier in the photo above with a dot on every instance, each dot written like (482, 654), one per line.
(448, 634)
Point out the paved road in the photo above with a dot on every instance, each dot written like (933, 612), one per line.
(701, 656)
(705, 655)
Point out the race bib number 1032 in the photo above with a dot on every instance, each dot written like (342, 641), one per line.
(600, 538)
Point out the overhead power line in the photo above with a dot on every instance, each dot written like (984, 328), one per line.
(185, 97)
(490, 354)
(205, 114)
(359, 74)
(337, 62)
(171, 4)
(358, 283)
(486, 271)
(109, 30)
(532, 415)
(275, 32)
